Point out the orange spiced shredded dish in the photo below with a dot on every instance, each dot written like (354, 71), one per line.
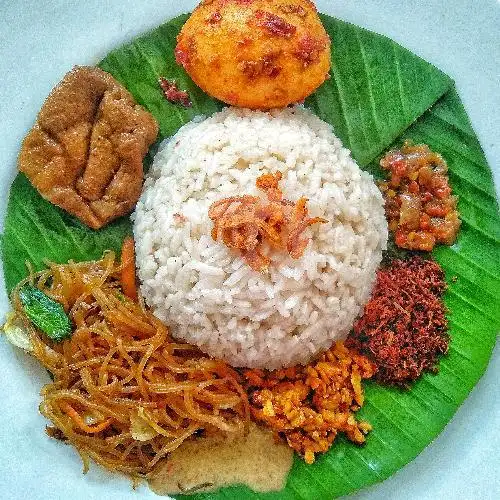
(309, 405)
(246, 222)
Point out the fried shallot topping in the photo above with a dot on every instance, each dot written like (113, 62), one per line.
(245, 222)
(309, 405)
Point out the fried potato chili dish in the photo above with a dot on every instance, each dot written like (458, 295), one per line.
(257, 54)
(86, 148)
(420, 208)
(309, 405)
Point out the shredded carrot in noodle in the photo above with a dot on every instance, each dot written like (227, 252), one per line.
(124, 393)
(89, 429)
(129, 286)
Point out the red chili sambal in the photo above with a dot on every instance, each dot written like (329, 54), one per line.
(420, 209)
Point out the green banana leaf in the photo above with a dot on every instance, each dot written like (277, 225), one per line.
(379, 95)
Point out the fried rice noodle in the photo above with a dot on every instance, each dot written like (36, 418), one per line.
(121, 366)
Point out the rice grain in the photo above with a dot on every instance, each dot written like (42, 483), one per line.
(204, 291)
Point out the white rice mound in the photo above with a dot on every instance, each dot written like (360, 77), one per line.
(204, 291)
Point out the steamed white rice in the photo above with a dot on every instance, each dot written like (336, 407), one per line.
(204, 291)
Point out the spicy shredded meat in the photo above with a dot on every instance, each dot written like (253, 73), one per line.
(419, 206)
(404, 329)
(309, 405)
(245, 222)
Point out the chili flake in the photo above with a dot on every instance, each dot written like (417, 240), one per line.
(173, 94)
(309, 49)
(274, 24)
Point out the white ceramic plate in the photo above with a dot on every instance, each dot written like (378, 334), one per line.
(41, 40)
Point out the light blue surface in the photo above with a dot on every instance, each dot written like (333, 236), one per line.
(41, 40)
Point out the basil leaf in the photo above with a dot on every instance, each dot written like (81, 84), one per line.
(45, 313)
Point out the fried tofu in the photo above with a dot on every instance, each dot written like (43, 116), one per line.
(86, 149)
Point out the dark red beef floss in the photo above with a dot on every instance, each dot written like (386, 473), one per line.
(404, 329)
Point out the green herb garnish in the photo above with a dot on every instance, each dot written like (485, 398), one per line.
(45, 313)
